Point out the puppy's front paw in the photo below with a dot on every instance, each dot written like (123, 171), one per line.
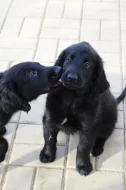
(26, 107)
(46, 157)
(3, 148)
(84, 169)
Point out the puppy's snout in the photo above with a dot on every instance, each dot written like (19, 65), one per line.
(72, 77)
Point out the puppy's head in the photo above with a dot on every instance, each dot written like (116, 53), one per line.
(24, 82)
(82, 68)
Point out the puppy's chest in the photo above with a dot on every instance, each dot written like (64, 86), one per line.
(74, 116)
(69, 107)
(74, 108)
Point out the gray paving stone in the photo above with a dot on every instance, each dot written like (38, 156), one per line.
(28, 155)
(97, 180)
(18, 178)
(48, 179)
(112, 157)
(33, 134)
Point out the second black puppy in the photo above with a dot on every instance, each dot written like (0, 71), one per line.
(83, 105)
(19, 85)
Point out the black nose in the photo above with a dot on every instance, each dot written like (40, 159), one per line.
(72, 77)
(58, 70)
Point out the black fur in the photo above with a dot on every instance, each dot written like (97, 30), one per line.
(87, 103)
(19, 85)
(122, 96)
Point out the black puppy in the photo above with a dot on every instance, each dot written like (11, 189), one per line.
(19, 85)
(83, 105)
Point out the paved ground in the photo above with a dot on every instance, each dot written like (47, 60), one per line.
(39, 30)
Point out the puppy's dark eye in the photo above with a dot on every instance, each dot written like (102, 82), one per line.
(69, 59)
(86, 65)
(31, 74)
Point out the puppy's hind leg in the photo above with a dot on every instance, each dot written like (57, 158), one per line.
(3, 148)
(98, 147)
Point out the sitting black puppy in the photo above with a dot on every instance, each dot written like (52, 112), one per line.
(19, 85)
(82, 104)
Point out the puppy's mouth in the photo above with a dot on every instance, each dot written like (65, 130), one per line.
(69, 85)
(59, 85)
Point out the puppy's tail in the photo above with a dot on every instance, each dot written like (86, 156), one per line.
(122, 96)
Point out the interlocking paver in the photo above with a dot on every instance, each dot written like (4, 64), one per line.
(90, 30)
(123, 25)
(33, 24)
(15, 117)
(70, 8)
(46, 50)
(61, 23)
(100, 14)
(120, 121)
(11, 27)
(17, 43)
(123, 6)
(111, 58)
(111, 0)
(48, 179)
(93, 1)
(71, 162)
(30, 11)
(36, 113)
(54, 9)
(124, 36)
(110, 30)
(59, 33)
(4, 65)
(123, 53)
(64, 44)
(1, 22)
(123, 15)
(4, 5)
(120, 106)
(1, 173)
(102, 6)
(28, 155)
(27, 3)
(11, 129)
(114, 77)
(106, 46)
(112, 157)
(16, 54)
(18, 178)
(35, 135)
(97, 180)
(38, 30)
(124, 72)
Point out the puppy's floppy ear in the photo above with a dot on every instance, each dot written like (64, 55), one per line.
(10, 99)
(101, 83)
(61, 59)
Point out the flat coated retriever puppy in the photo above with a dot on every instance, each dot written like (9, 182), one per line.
(82, 104)
(19, 85)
